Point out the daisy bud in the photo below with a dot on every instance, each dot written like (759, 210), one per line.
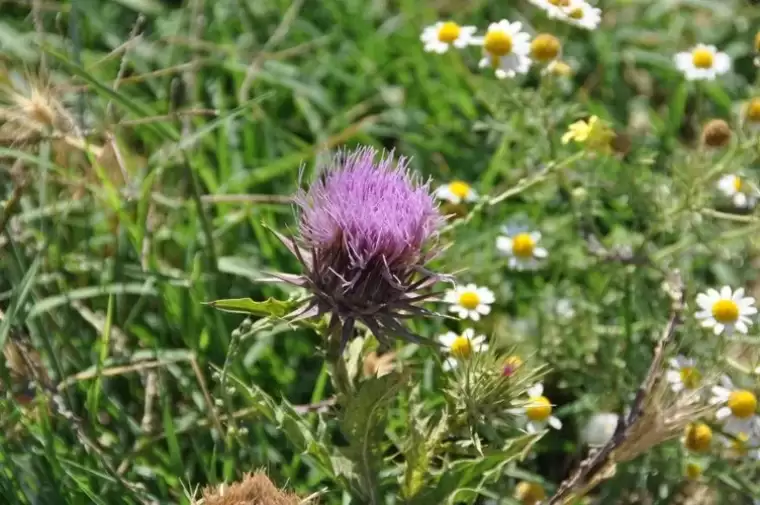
(529, 493)
(693, 470)
(716, 133)
(545, 47)
(752, 113)
(697, 437)
(559, 68)
(364, 227)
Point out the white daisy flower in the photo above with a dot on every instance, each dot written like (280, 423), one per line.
(538, 411)
(444, 34)
(582, 14)
(738, 408)
(726, 311)
(456, 192)
(470, 301)
(732, 186)
(553, 8)
(703, 62)
(599, 429)
(461, 346)
(683, 374)
(505, 49)
(522, 248)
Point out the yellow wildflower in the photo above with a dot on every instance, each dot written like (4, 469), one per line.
(594, 133)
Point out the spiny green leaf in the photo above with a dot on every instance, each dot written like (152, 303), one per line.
(362, 424)
(465, 472)
(420, 451)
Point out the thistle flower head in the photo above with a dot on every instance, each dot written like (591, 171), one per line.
(369, 210)
(364, 227)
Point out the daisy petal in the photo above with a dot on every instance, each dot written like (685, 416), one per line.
(722, 413)
(536, 390)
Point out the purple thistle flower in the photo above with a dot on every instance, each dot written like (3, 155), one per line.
(364, 227)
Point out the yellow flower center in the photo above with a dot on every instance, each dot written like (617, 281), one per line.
(725, 311)
(459, 189)
(698, 437)
(498, 43)
(690, 377)
(742, 403)
(693, 471)
(539, 409)
(702, 58)
(576, 13)
(511, 364)
(560, 3)
(469, 300)
(753, 110)
(529, 493)
(523, 245)
(737, 183)
(545, 47)
(448, 32)
(461, 347)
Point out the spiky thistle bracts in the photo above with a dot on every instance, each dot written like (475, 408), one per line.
(367, 227)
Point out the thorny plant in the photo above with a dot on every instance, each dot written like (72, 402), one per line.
(607, 205)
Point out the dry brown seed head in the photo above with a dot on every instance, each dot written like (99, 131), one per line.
(716, 133)
(253, 489)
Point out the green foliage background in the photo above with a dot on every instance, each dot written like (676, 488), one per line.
(102, 272)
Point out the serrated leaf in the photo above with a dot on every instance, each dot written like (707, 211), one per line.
(465, 472)
(364, 411)
(268, 308)
(420, 450)
(363, 426)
